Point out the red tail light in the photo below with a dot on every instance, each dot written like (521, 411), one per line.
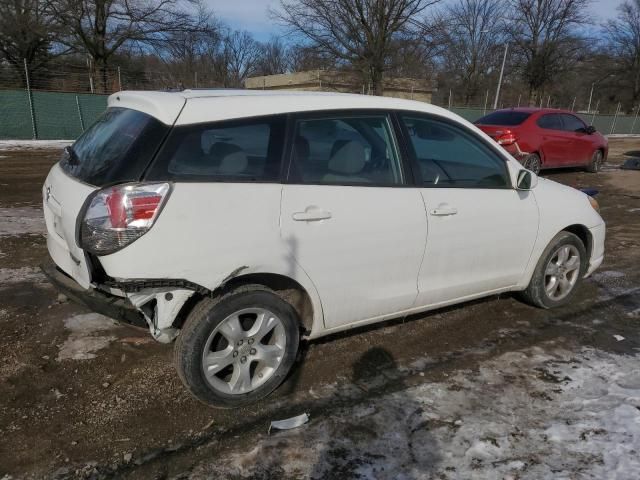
(506, 138)
(117, 216)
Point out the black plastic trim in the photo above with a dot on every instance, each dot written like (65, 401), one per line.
(112, 306)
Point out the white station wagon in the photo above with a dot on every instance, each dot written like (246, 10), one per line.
(239, 222)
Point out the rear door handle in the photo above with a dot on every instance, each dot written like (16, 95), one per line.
(311, 216)
(444, 211)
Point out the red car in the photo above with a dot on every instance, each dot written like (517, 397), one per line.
(546, 138)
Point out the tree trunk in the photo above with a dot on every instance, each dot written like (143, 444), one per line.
(376, 79)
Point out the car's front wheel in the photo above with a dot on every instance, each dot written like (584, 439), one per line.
(596, 162)
(237, 349)
(558, 272)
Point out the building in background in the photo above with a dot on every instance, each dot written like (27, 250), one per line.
(344, 82)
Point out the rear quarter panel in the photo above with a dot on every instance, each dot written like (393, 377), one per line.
(206, 232)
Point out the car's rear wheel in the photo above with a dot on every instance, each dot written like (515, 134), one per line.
(237, 349)
(532, 162)
(596, 162)
(558, 272)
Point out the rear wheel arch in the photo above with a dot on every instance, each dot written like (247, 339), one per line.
(285, 287)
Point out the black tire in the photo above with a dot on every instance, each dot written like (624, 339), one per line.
(532, 162)
(203, 320)
(596, 162)
(535, 293)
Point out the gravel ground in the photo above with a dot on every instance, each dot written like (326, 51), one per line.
(490, 389)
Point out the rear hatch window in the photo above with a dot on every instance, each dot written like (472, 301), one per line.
(507, 119)
(117, 148)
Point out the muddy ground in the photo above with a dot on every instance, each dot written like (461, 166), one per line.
(81, 397)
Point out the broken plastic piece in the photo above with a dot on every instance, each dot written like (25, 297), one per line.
(592, 192)
(631, 164)
(289, 423)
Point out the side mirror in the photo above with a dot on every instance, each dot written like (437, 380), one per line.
(590, 130)
(527, 180)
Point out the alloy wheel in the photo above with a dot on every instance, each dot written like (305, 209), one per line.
(244, 351)
(562, 272)
(532, 163)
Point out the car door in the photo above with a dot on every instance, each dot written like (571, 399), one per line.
(581, 148)
(555, 142)
(350, 219)
(481, 231)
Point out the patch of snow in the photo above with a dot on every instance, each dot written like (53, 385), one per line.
(23, 274)
(87, 336)
(21, 221)
(607, 274)
(9, 145)
(534, 414)
(618, 337)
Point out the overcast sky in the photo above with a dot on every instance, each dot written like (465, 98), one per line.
(252, 15)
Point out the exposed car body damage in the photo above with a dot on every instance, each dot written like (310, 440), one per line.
(160, 308)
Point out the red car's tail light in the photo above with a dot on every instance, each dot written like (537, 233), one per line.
(119, 215)
(506, 138)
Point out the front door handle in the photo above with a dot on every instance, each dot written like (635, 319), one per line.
(443, 211)
(311, 216)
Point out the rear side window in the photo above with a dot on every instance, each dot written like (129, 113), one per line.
(550, 121)
(357, 150)
(117, 148)
(450, 157)
(505, 118)
(245, 150)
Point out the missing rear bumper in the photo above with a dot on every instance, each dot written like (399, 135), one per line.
(117, 308)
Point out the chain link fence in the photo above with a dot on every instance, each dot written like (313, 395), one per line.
(27, 111)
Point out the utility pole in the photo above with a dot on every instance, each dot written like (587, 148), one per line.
(591, 97)
(504, 60)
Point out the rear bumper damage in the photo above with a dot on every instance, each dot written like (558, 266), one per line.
(112, 306)
(152, 305)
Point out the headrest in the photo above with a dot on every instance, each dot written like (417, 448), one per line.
(231, 158)
(301, 148)
(347, 157)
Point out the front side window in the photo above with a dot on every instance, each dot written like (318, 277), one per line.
(450, 157)
(550, 121)
(356, 150)
(245, 150)
(572, 123)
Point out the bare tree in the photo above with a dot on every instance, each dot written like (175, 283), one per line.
(274, 58)
(27, 32)
(241, 54)
(305, 57)
(470, 33)
(101, 27)
(545, 40)
(622, 45)
(360, 33)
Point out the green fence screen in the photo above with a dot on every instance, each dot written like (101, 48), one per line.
(64, 116)
(57, 116)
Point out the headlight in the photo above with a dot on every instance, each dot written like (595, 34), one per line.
(594, 203)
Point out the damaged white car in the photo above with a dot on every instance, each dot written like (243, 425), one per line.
(239, 222)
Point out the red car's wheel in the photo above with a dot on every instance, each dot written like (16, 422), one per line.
(532, 162)
(596, 162)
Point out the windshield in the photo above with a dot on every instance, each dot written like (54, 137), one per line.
(507, 118)
(117, 148)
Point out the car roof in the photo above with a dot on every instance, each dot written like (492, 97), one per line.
(533, 110)
(197, 106)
